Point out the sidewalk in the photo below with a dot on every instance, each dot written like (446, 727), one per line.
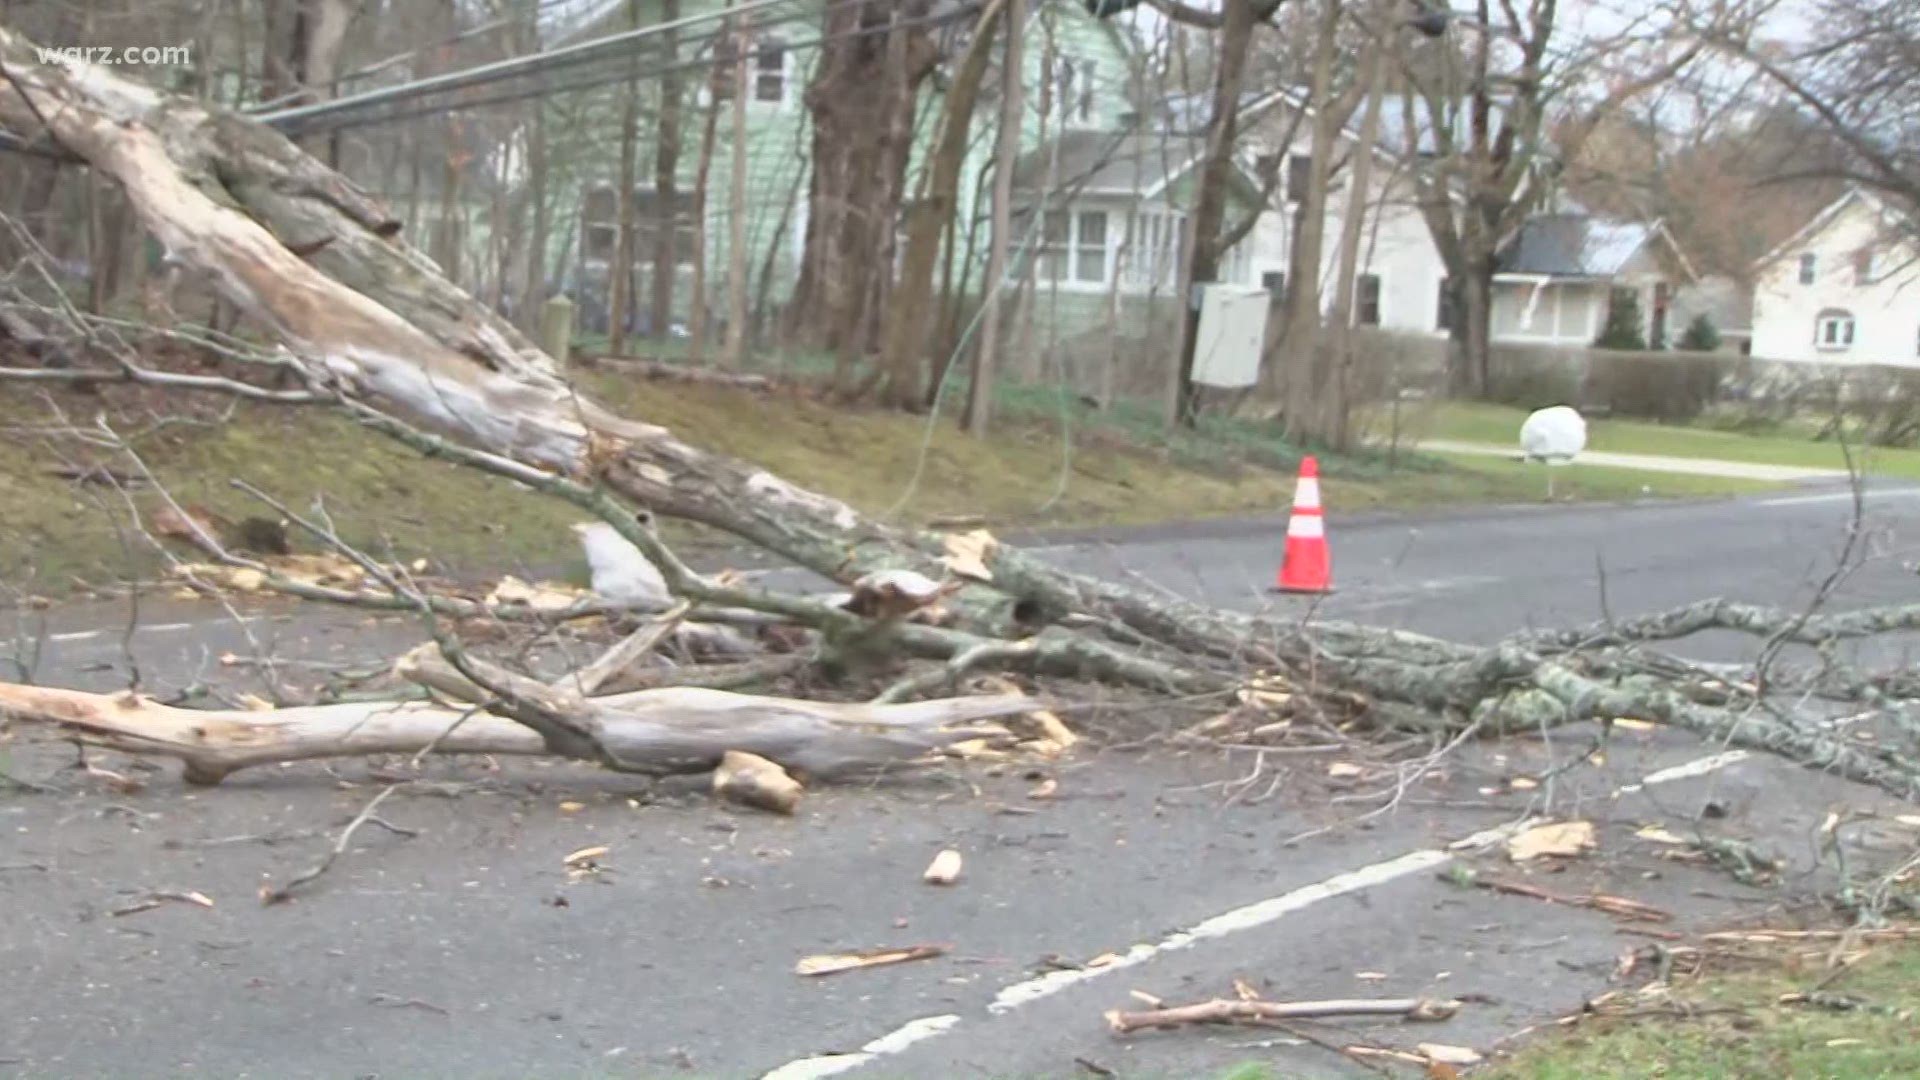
(1733, 470)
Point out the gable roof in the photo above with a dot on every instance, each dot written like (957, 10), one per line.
(1582, 246)
(1824, 218)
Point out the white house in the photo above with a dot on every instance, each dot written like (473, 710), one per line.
(1400, 268)
(1559, 277)
(1845, 289)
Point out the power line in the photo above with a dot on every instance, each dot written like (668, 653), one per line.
(298, 118)
(596, 79)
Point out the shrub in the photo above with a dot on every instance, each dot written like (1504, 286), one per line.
(1700, 336)
(1622, 330)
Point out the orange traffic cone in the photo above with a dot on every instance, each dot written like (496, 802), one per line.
(1308, 565)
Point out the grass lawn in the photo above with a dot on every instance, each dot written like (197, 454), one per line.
(1500, 424)
(1117, 468)
(1739, 1028)
(1744, 1030)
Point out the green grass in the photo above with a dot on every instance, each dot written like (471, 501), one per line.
(1116, 468)
(1500, 424)
(1749, 1033)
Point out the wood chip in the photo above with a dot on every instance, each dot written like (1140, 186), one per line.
(1560, 840)
(968, 552)
(586, 855)
(835, 963)
(751, 780)
(944, 870)
(1449, 1055)
(1343, 770)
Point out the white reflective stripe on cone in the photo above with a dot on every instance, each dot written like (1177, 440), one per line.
(1307, 495)
(1310, 526)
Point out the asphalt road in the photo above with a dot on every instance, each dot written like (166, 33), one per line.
(464, 951)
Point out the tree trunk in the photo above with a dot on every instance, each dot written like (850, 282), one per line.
(861, 99)
(655, 732)
(620, 269)
(733, 357)
(1332, 400)
(1006, 151)
(907, 326)
(1472, 343)
(1302, 355)
(666, 179)
(1210, 203)
(703, 170)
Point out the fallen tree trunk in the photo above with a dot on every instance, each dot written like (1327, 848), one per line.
(373, 325)
(652, 732)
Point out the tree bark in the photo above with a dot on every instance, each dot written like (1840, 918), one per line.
(1006, 151)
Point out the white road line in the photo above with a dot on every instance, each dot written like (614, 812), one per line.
(1249, 917)
(892, 1042)
(1839, 496)
(74, 635)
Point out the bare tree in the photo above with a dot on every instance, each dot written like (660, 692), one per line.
(1006, 152)
(908, 325)
(1860, 77)
(620, 270)
(1236, 21)
(1477, 128)
(666, 181)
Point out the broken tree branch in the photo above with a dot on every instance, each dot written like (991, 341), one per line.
(1229, 1010)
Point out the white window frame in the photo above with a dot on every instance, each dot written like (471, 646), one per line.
(703, 94)
(758, 72)
(1070, 251)
(1834, 330)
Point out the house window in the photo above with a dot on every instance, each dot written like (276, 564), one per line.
(766, 68)
(1275, 282)
(1662, 301)
(1086, 91)
(1443, 309)
(770, 71)
(1063, 74)
(1366, 306)
(1833, 330)
(1299, 176)
(1863, 266)
(1074, 247)
(1090, 246)
(1808, 263)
